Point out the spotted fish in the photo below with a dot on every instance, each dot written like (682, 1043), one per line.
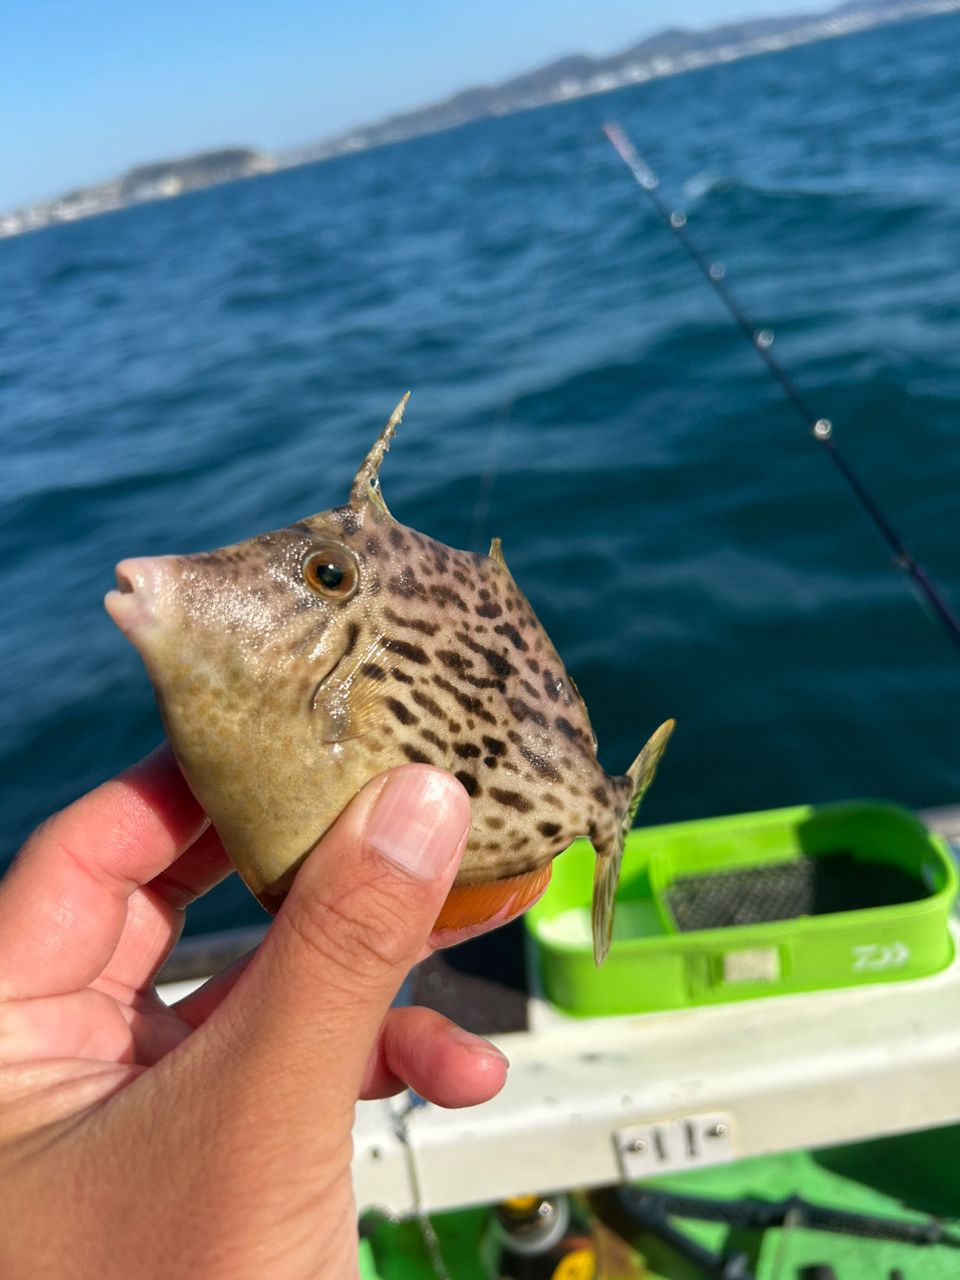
(293, 667)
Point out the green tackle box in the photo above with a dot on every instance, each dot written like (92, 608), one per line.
(789, 900)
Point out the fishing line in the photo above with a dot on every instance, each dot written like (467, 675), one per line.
(762, 341)
(428, 1233)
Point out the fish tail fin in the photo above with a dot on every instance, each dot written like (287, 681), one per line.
(607, 871)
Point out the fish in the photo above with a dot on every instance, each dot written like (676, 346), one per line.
(293, 667)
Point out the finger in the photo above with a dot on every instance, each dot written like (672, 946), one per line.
(309, 1006)
(156, 912)
(423, 1050)
(204, 864)
(417, 1048)
(195, 1008)
(64, 901)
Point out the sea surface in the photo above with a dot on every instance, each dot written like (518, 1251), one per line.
(181, 375)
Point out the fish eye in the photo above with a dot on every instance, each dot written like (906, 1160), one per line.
(331, 571)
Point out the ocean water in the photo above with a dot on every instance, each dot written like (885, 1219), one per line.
(181, 375)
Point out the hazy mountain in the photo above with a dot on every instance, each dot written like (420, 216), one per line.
(668, 52)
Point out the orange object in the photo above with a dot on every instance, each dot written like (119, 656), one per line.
(472, 904)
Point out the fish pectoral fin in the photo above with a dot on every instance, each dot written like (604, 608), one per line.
(353, 702)
(352, 713)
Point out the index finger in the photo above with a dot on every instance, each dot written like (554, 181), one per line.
(63, 903)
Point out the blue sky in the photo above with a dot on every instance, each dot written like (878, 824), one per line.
(89, 87)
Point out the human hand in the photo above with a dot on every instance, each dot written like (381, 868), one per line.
(212, 1138)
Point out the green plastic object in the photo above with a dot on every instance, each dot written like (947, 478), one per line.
(843, 858)
(366, 1261)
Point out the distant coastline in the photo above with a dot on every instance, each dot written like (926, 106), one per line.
(667, 53)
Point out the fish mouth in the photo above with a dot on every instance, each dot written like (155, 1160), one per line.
(130, 603)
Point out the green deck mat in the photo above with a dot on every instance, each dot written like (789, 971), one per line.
(912, 1177)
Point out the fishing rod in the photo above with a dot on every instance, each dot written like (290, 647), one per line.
(762, 341)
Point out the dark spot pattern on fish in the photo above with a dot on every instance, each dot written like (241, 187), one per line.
(523, 711)
(464, 700)
(406, 585)
(497, 663)
(454, 660)
(414, 624)
(540, 762)
(446, 595)
(485, 682)
(401, 711)
(508, 630)
(412, 652)
(467, 781)
(568, 730)
(549, 829)
(426, 703)
(512, 799)
(466, 750)
(414, 754)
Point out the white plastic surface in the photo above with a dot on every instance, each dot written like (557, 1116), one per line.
(787, 1072)
(790, 1072)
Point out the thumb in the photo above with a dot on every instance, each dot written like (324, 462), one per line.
(307, 1010)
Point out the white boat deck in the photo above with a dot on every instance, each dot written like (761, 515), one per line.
(588, 1102)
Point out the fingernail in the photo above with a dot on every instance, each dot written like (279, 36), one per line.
(477, 1044)
(419, 820)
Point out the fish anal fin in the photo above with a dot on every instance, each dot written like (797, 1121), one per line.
(606, 873)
